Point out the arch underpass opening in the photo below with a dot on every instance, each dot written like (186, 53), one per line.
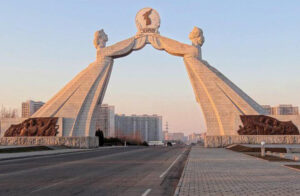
(149, 81)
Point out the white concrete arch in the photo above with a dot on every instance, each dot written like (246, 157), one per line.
(221, 101)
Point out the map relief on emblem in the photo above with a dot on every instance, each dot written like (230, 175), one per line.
(146, 17)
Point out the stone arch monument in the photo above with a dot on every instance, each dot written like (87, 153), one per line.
(221, 101)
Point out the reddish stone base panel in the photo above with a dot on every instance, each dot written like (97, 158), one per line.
(72, 142)
(223, 141)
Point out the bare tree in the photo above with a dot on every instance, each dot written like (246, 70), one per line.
(8, 113)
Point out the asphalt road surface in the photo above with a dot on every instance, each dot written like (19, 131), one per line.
(118, 171)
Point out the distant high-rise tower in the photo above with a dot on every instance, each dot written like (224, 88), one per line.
(30, 107)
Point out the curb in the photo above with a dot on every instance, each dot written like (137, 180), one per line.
(39, 155)
(284, 155)
(179, 185)
(58, 153)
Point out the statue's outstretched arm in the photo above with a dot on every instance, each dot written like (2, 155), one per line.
(171, 46)
(120, 49)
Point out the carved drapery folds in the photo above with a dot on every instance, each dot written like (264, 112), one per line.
(266, 125)
(34, 127)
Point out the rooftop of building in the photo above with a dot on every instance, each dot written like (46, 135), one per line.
(28, 101)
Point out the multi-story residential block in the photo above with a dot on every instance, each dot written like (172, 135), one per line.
(285, 109)
(147, 127)
(268, 109)
(176, 136)
(282, 109)
(30, 107)
(196, 137)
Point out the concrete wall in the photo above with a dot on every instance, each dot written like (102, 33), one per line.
(222, 141)
(73, 142)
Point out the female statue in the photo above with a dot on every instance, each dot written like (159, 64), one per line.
(78, 100)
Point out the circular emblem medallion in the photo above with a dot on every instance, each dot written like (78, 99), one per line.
(147, 20)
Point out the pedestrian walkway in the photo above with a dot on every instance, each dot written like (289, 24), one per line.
(218, 171)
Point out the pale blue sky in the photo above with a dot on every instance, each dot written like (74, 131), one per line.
(256, 44)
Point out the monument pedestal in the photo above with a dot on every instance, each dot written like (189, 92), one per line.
(223, 141)
(72, 142)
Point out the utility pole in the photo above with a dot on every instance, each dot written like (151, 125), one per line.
(167, 127)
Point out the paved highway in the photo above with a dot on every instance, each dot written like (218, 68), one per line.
(118, 171)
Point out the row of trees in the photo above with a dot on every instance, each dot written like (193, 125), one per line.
(8, 112)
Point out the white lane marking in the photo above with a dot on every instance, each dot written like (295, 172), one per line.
(165, 172)
(54, 184)
(46, 187)
(146, 192)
